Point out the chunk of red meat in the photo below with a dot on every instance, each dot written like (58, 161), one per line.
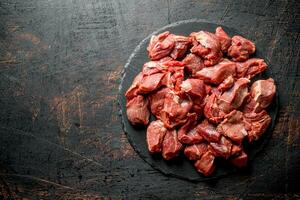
(157, 100)
(256, 124)
(133, 89)
(193, 63)
(171, 145)
(208, 47)
(235, 96)
(241, 48)
(153, 67)
(177, 78)
(160, 45)
(206, 164)
(263, 91)
(240, 161)
(181, 45)
(233, 127)
(212, 111)
(235, 150)
(137, 110)
(175, 109)
(187, 134)
(194, 152)
(224, 39)
(217, 73)
(221, 148)
(208, 131)
(226, 84)
(250, 67)
(155, 135)
(150, 83)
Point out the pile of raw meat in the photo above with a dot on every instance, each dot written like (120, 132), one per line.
(198, 88)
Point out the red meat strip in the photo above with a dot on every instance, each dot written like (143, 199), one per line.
(224, 39)
(181, 45)
(233, 127)
(171, 145)
(207, 46)
(221, 148)
(241, 48)
(240, 161)
(194, 152)
(137, 110)
(250, 67)
(160, 45)
(157, 100)
(193, 63)
(256, 124)
(133, 89)
(235, 96)
(155, 135)
(206, 164)
(217, 73)
(208, 131)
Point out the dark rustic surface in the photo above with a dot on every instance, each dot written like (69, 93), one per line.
(60, 68)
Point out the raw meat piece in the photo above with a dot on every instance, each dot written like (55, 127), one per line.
(208, 47)
(177, 78)
(256, 124)
(193, 63)
(235, 96)
(160, 45)
(137, 110)
(236, 150)
(133, 89)
(153, 67)
(194, 152)
(150, 83)
(155, 135)
(194, 87)
(233, 127)
(221, 148)
(240, 161)
(212, 111)
(224, 39)
(241, 48)
(263, 91)
(206, 164)
(171, 146)
(208, 131)
(187, 134)
(157, 100)
(217, 73)
(250, 67)
(181, 45)
(226, 84)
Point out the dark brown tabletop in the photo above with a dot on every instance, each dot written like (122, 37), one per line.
(61, 64)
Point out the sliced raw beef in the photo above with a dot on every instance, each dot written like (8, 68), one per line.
(208, 131)
(212, 110)
(206, 164)
(256, 124)
(150, 83)
(250, 68)
(181, 45)
(193, 63)
(133, 89)
(157, 100)
(217, 73)
(160, 45)
(233, 127)
(241, 48)
(221, 148)
(207, 46)
(224, 39)
(194, 152)
(155, 135)
(137, 110)
(226, 84)
(187, 134)
(171, 145)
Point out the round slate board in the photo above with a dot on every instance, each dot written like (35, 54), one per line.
(182, 167)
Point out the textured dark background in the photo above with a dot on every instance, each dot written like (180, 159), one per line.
(60, 68)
